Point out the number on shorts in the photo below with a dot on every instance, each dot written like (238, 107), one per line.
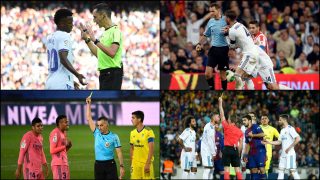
(53, 60)
(246, 31)
(64, 175)
(269, 79)
(33, 175)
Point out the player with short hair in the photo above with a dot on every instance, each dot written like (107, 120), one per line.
(255, 151)
(218, 53)
(187, 140)
(288, 139)
(108, 49)
(59, 145)
(31, 153)
(270, 133)
(208, 148)
(60, 54)
(105, 142)
(141, 148)
(218, 165)
(232, 143)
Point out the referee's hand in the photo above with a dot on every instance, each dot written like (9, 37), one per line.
(198, 48)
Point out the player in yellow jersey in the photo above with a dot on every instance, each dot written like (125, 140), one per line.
(270, 132)
(141, 148)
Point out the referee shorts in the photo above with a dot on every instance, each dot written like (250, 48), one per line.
(230, 155)
(105, 169)
(218, 56)
(110, 79)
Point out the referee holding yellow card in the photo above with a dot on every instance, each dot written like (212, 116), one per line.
(108, 49)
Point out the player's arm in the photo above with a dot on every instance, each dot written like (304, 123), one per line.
(240, 146)
(24, 145)
(88, 114)
(232, 38)
(45, 165)
(296, 137)
(85, 36)
(273, 142)
(93, 48)
(131, 151)
(64, 61)
(276, 35)
(110, 51)
(245, 153)
(151, 150)
(54, 143)
(180, 141)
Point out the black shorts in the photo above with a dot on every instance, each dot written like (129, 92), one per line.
(105, 169)
(218, 56)
(230, 155)
(110, 78)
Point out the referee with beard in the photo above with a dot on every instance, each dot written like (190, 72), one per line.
(108, 49)
(232, 143)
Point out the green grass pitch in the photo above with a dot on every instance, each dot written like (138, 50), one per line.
(81, 155)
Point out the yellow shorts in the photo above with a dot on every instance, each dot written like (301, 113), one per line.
(267, 167)
(137, 171)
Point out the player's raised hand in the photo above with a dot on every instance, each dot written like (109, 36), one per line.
(84, 32)
(90, 32)
(220, 98)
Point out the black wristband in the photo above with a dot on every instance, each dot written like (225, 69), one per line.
(121, 165)
(96, 41)
(87, 40)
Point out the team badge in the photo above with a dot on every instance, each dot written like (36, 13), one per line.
(55, 138)
(107, 144)
(23, 144)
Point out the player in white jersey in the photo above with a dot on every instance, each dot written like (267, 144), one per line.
(288, 139)
(60, 55)
(187, 140)
(240, 37)
(208, 147)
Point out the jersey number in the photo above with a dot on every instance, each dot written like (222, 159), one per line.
(53, 60)
(246, 31)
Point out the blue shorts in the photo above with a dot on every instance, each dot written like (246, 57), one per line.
(258, 160)
(218, 166)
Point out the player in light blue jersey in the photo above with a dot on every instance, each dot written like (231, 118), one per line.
(60, 55)
(218, 53)
(105, 142)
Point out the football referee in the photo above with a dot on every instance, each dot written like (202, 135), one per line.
(105, 142)
(218, 53)
(232, 143)
(108, 49)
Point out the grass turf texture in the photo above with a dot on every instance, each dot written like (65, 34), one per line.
(80, 156)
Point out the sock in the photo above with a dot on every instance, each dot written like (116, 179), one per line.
(280, 174)
(185, 175)
(263, 176)
(192, 175)
(283, 87)
(250, 84)
(226, 175)
(221, 176)
(211, 173)
(296, 175)
(210, 83)
(206, 173)
(224, 84)
(239, 175)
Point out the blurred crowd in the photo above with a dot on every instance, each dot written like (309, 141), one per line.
(25, 26)
(291, 28)
(302, 106)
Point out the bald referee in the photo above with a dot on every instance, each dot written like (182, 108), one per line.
(218, 53)
(105, 142)
(232, 143)
(108, 49)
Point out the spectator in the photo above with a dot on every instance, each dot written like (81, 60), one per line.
(314, 55)
(285, 43)
(301, 64)
(307, 48)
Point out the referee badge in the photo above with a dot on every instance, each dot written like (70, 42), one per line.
(107, 144)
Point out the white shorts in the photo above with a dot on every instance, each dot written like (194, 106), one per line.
(267, 75)
(249, 64)
(288, 162)
(188, 160)
(206, 159)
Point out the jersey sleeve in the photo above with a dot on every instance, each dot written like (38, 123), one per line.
(151, 136)
(24, 145)
(131, 139)
(207, 31)
(293, 133)
(117, 143)
(184, 135)
(116, 36)
(54, 139)
(95, 132)
(232, 38)
(63, 43)
(246, 139)
(212, 143)
(276, 133)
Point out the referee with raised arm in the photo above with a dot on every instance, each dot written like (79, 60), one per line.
(232, 143)
(218, 53)
(105, 142)
(108, 49)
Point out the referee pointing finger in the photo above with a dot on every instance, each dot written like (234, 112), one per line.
(108, 49)
(233, 138)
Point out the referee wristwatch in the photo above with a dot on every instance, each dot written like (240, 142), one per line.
(96, 41)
